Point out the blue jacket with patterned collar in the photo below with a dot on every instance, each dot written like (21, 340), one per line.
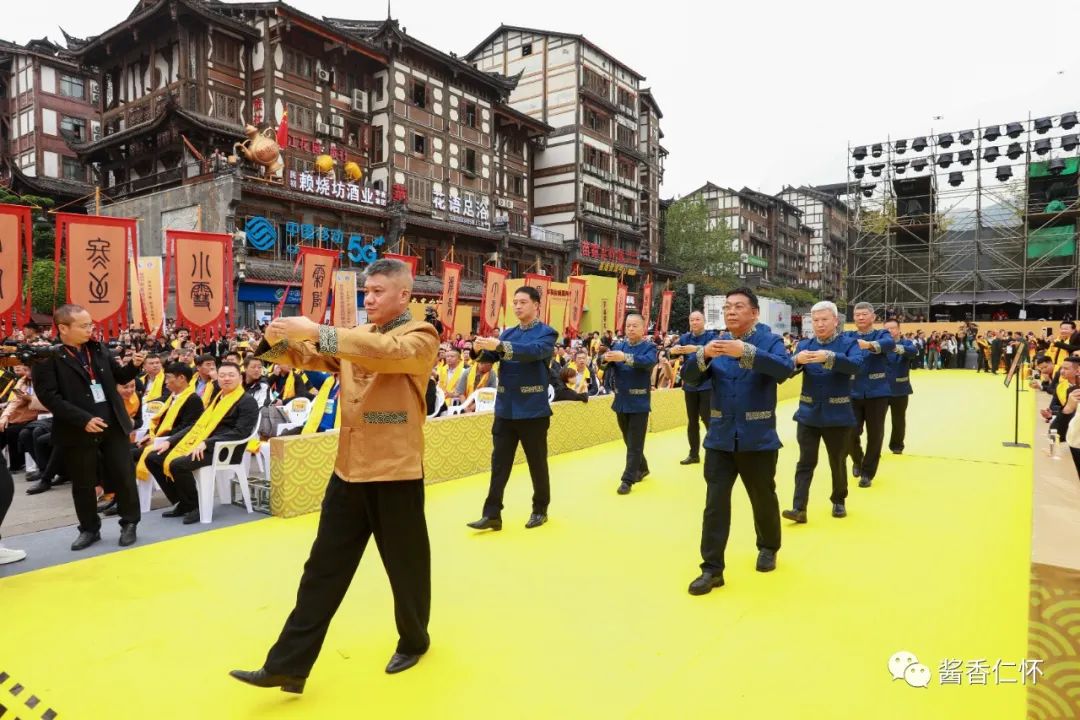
(633, 377)
(898, 368)
(871, 380)
(524, 354)
(743, 415)
(825, 400)
(704, 338)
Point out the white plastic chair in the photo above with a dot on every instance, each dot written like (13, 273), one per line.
(440, 398)
(551, 394)
(146, 492)
(218, 472)
(482, 398)
(298, 409)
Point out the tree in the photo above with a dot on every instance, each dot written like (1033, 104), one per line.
(40, 284)
(44, 227)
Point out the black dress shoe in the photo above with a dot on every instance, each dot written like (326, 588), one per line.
(535, 521)
(896, 451)
(112, 511)
(690, 460)
(766, 561)
(85, 540)
(263, 679)
(105, 507)
(191, 517)
(838, 510)
(865, 482)
(624, 488)
(33, 476)
(642, 475)
(401, 661)
(704, 584)
(178, 511)
(856, 470)
(59, 480)
(798, 516)
(127, 535)
(43, 486)
(486, 523)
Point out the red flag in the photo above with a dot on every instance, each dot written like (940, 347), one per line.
(203, 265)
(542, 283)
(95, 250)
(494, 297)
(451, 280)
(576, 307)
(665, 310)
(646, 304)
(16, 248)
(318, 276)
(620, 308)
(283, 131)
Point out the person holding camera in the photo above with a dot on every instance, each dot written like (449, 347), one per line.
(77, 383)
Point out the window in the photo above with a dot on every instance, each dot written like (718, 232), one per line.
(26, 122)
(429, 261)
(72, 87)
(626, 170)
(226, 50)
(596, 121)
(26, 159)
(376, 144)
(73, 170)
(596, 158)
(300, 117)
(516, 185)
(625, 98)
(624, 136)
(419, 144)
(596, 84)
(297, 63)
(73, 128)
(469, 114)
(515, 146)
(470, 160)
(380, 84)
(626, 206)
(419, 190)
(526, 49)
(227, 107)
(419, 94)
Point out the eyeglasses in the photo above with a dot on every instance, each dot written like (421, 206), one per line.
(736, 306)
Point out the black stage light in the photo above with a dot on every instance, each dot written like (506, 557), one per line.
(966, 137)
(875, 150)
(944, 160)
(918, 164)
(991, 154)
(1069, 142)
(1014, 151)
(868, 190)
(1042, 146)
(900, 146)
(858, 171)
(859, 153)
(1004, 172)
(875, 170)
(955, 178)
(918, 144)
(1056, 166)
(945, 140)
(1014, 129)
(1043, 124)
(1068, 121)
(992, 133)
(901, 167)
(966, 157)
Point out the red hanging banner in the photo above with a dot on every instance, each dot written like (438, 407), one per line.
(491, 306)
(646, 304)
(667, 298)
(542, 283)
(620, 308)
(95, 249)
(16, 247)
(576, 307)
(411, 260)
(202, 263)
(451, 280)
(318, 276)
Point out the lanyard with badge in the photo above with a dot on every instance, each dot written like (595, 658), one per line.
(96, 390)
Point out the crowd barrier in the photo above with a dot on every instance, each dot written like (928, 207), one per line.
(1024, 326)
(459, 446)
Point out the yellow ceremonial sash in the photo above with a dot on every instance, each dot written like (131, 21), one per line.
(7, 390)
(1063, 392)
(318, 408)
(162, 424)
(449, 382)
(471, 384)
(204, 427)
(207, 393)
(156, 388)
(581, 383)
(131, 404)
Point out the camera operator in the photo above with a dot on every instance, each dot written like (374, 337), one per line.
(77, 383)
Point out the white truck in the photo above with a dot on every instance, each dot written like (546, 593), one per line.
(775, 314)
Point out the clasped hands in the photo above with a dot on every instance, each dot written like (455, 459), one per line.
(810, 357)
(293, 329)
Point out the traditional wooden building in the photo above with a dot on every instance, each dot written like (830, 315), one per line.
(830, 219)
(46, 100)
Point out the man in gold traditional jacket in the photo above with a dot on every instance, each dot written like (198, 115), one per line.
(377, 487)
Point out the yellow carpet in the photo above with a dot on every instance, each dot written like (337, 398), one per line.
(587, 617)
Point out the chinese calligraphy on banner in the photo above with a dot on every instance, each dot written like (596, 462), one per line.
(95, 251)
(494, 296)
(448, 309)
(344, 314)
(462, 209)
(330, 187)
(665, 310)
(620, 308)
(646, 303)
(202, 263)
(542, 283)
(147, 296)
(576, 307)
(16, 239)
(315, 290)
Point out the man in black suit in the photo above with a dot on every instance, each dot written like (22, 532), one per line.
(90, 423)
(236, 424)
(178, 381)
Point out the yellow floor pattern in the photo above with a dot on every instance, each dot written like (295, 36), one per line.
(587, 617)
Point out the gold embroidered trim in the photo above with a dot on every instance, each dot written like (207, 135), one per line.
(806, 399)
(839, 400)
(903, 379)
(876, 376)
(760, 415)
(276, 351)
(749, 352)
(328, 340)
(531, 389)
(396, 322)
(386, 418)
(508, 350)
(638, 391)
(716, 413)
(830, 360)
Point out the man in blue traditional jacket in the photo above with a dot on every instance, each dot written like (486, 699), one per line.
(898, 371)
(869, 394)
(522, 411)
(743, 367)
(631, 362)
(827, 361)
(696, 396)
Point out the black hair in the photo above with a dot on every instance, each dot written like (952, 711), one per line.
(750, 295)
(1070, 323)
(532, 292)
(232, 365)
(179, 368)
(205, 358)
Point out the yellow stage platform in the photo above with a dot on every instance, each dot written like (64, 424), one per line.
(588, 616)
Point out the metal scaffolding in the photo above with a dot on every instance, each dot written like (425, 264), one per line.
(976, 218)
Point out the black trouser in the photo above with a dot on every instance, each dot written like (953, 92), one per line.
(1075, 452)
(43, 451)
(634, 427)
(9, 438)
(182, 486)
(758, 473)
(995, 360)
(809, 438)
(109, 452)
(871, 414)
(351, 513)
(898, 412)
(155, 464)
(505, 436)
(698, 404)
(981, 358)
(7, 492)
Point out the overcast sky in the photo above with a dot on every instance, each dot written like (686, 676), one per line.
(757, 93)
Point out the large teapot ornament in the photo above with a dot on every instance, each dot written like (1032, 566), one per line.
(260, 148)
